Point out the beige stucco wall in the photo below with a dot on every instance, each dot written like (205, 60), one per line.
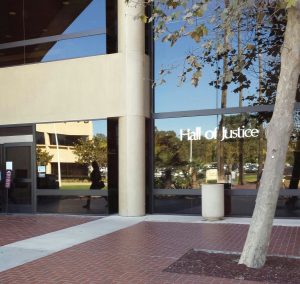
(75, 89)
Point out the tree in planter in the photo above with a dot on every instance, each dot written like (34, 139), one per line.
(280, 127)
(278, 136)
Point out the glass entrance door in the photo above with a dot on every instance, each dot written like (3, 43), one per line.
(18, 197)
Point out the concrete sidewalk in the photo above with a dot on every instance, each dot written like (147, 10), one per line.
(128, 250)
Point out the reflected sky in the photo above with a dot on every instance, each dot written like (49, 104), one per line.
(204, 122)
(93, 17)
(170, 96)
(175, 124)
(100, 127)
(77, 47)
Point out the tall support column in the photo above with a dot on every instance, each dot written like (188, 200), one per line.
(131, 43)
(132, 166)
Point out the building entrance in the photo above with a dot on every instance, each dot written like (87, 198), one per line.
(16, 178)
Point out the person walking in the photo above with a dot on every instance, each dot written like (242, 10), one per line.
(95, 178)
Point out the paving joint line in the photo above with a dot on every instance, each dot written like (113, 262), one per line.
(239, 253)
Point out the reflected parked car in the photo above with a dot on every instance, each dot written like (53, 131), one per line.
(250, 168)
(48, 182)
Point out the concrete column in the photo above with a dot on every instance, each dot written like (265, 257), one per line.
(131, 166)
(131, 44)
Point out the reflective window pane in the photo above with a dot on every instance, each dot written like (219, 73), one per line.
(12, 56)
(83, 20)
(166, 204)
(63, 49)
(65, 152)
(209, 149)
(73, 48)
(216, 69)
(291, 175)
(70, 205)
(193, 151)
(47, 18)
(11, 21)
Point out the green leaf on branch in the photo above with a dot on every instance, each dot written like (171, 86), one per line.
(173, 3)
(198, 33)
(250, 46)
(290, 3)
(286, 4)
(144, 18)
(196, 77)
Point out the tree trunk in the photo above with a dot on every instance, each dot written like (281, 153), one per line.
(220, 152)
(195, 183)
(241, 141)
(241, 161)
(278, 136)
(260, 154)
(260, 93)
(168, 178)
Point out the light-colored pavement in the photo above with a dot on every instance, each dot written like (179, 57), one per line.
(227, 220)
(24, 251)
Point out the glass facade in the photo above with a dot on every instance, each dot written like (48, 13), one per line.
(71, 204)
(41, 31)
(214, 98)
(234, 67)
(65, 153)
(190, 151)
(60, 181)
(16, 169)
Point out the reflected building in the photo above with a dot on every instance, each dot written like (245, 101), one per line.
(58, 140)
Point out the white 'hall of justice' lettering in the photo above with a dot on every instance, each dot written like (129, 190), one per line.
(240, 132)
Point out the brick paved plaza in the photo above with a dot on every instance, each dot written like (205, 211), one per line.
(136, 254)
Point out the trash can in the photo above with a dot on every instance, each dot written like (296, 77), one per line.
(213, 202)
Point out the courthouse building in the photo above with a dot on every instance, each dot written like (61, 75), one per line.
(78, 69)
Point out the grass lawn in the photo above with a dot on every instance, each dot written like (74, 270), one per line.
(76, 186)
(250, 177)
(79, 186)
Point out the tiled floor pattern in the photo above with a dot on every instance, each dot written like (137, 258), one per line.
(138, 254)
(14, 228)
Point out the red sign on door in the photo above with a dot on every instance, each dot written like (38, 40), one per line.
(8, 179)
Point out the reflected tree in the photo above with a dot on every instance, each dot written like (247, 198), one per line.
(168, 154)
(89, 150)
(43, 158)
